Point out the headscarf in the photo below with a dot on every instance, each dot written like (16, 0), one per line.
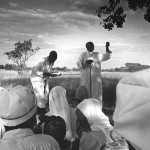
(132, 112)
(59, 106)
(91, 109)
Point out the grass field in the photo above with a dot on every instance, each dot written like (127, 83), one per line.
(70, 81)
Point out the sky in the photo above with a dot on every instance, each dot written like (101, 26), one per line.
(65, 26)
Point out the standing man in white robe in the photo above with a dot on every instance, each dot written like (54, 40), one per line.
(39, 74)
(97, 58)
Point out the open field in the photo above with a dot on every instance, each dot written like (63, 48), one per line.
(70, 81)
(6, 74)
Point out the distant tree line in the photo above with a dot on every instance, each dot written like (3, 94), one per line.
(129, 67)
(12, 67)
(15, 67)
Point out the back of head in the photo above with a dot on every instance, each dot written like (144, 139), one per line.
(52, 57)
(92, 140)
(90, 46)
(54, 126)
(17, 106)
(81, 93)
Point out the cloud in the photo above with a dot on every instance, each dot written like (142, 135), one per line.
(29, 23)
(88, 6)
(14, 4)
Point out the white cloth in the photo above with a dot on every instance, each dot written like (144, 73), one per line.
(2, 130)
(25, 139)
(37, 80)
(91, 108)
(132, 112)
(96, 82)
(59, 106)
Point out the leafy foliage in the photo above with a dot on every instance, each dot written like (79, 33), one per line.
(2, 66)
(112, 14)
(21, 53)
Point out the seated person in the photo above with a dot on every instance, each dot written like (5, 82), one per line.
(91, 117)
(18, 116)
(54, 126)
(93, 125)
(59, 106)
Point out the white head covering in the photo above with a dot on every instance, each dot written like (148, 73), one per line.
(59, 106)
(97, 120)
(132, 112)
(91, 108)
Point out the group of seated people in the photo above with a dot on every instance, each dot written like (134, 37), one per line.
(63, 127)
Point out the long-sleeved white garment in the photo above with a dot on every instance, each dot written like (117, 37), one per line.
(132, 112)
(25, 139)
(96, 82)
(59, 106)
(37, 80)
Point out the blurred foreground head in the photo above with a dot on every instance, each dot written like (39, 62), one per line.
(132, 115)
(17, 106)
(81, 93)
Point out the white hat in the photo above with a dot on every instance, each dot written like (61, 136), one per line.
(132, 113)
(17, 106)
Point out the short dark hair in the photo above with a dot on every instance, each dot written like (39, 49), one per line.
(89, 45)
(54, 126)
(52, 57)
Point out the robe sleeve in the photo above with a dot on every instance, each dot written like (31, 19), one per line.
(104, 57)
(38, 70)
(81, 63)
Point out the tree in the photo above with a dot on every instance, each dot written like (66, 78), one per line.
(112, 14)
(2, 66)
(21, 54)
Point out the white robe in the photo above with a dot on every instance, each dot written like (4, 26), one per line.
(132, 112)
(37, 80)
(96, 82)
